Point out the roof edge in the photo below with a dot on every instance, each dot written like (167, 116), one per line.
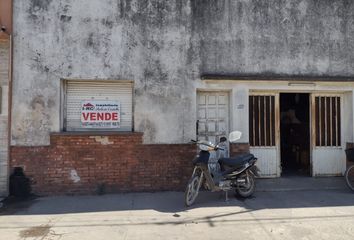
(290, 78)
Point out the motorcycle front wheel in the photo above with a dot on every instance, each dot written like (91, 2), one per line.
(192, 190)
(247, 189)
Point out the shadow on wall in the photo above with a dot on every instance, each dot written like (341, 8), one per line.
(20, 186)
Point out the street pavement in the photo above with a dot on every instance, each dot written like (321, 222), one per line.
(272, 213)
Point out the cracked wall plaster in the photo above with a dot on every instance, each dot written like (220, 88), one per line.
(165, 46)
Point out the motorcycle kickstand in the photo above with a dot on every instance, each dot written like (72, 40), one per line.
(226, 196)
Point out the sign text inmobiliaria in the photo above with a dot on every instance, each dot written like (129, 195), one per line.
(100, 114)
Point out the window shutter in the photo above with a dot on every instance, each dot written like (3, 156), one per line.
(78, 91)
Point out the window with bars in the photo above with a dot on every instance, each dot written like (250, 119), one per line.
(327, 121)
(262, 121)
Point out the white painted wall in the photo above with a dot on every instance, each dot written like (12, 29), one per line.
(239, 111)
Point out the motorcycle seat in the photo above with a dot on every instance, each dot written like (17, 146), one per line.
(236, 161)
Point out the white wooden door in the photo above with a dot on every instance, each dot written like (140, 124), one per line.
(264, 132)
(328, 156)
(213, 117)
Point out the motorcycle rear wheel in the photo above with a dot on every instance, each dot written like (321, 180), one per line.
(192, 190)
(248, 189)
(349, 177)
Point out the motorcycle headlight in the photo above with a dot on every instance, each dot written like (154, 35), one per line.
(204, 147)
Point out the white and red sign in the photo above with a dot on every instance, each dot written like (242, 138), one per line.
(100, 114)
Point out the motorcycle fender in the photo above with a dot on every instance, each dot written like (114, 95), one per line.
(254, 170)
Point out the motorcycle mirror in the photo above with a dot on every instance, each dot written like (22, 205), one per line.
(234, 136)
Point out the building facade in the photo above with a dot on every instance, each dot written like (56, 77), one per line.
(166, 72)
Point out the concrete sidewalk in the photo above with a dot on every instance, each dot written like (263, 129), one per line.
(296, 183)
(269, 214)
(292, 183)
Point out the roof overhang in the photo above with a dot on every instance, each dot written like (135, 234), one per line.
(274, 78)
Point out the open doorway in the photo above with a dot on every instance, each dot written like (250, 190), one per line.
(295, 133)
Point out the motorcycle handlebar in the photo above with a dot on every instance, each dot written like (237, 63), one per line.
(215, 149)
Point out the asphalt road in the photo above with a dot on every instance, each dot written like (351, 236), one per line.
(300, 214)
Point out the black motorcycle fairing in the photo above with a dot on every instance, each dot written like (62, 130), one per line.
(202, 158)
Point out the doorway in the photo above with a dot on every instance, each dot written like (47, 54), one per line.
(213, 120)
(295, 134)
(213, 116)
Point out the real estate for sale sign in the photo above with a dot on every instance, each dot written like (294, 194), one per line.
(100, 114)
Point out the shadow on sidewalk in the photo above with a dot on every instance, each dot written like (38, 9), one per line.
(272, 194)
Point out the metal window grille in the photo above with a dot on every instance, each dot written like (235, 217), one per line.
(327, 121)
(262, 121)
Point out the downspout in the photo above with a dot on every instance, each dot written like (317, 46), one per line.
(9, 123)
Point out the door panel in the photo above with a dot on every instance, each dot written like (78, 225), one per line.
(213, 117)
(267, 160)
(328, 156)
(264, 132)
(328, 162)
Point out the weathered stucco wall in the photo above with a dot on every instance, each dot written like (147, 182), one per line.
(286, 37)
(165, 46)
(4, 140)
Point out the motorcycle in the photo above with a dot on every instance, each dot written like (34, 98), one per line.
(236, 173)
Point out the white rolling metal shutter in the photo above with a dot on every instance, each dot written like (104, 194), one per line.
(78, 91)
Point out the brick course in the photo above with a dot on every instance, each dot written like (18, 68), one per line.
(121, 164)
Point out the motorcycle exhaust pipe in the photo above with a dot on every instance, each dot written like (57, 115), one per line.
(241, 181)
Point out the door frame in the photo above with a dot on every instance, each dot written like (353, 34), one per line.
(311, 120)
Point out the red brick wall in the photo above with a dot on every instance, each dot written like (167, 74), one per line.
(107, 163)
(124, 164)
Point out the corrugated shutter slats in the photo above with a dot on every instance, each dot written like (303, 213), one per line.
(78, 91)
